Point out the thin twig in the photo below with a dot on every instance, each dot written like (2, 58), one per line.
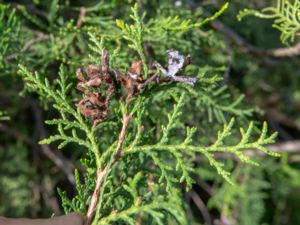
(284, 147)
(208, 189)
(80, 20)
(126, 120)
(281, 118)
(249, 48)
(235, 38)
(28, 45)
(201, 206)
(41, 37)
(101, 174)
(285, 52)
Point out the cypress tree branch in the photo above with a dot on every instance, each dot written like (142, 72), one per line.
(102, 174)
(159, 142)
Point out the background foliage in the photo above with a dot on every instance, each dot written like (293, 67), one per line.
(183, 149)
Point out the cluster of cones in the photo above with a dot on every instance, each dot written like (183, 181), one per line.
(99, 84)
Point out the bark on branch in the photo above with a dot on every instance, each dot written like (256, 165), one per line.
(101, 174)
(249, 48)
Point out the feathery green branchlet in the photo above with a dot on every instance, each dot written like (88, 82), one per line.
(286, 18)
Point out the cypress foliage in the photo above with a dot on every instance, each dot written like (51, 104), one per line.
(143, 104)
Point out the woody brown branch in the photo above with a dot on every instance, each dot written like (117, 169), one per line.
(249, 48)
(201, 206)
(80, 20)
(125, 122)
(245, 46)
(101, 174)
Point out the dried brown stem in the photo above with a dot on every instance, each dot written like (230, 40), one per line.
(284, 147)
(285, 52)
(249, 48)
(101, 174)
(81, 17)
(126, 120)
(201, 206)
